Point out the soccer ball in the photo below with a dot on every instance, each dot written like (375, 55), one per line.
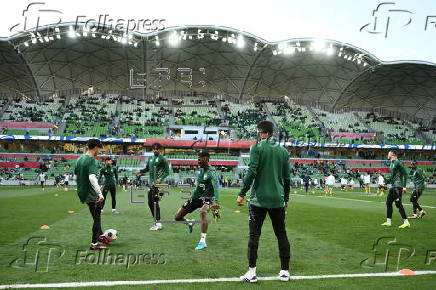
(111, 234)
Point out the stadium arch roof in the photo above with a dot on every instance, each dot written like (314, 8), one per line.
(223, 60)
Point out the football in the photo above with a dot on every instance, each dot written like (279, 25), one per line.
(111, 234)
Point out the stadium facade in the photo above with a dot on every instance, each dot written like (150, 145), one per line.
(211, 60)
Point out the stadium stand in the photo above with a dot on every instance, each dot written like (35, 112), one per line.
(89, 116)
(139, 119)
(296, 121)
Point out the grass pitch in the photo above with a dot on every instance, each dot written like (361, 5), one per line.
(328, 235)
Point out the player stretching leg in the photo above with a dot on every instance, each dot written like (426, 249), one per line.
(418, 179)
(89, 191)
(205, 197)
(398, 179)
(269, 195)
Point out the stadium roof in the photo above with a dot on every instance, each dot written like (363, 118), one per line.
(223, 60)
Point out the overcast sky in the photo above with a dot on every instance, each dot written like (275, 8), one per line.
(404, 38)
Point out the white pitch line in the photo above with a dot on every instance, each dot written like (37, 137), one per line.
(361, 200)
(207, 280)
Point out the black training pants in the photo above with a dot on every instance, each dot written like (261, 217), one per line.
(277, 216)
(95, 210)
(395, 195)
(112, 188)
(153, 197)
(414, 200)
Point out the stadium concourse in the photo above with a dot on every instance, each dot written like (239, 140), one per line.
(337, 109)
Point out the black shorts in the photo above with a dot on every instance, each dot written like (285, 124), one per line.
(193, 204)
(66, 183)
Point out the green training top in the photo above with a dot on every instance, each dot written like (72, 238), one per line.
(158, 164)
(398, 177)
(418, 178)
(269, 170)
(85, 166)
(110, 175)
(207, 185)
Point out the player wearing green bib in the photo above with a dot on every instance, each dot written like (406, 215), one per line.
(110, 175)
(398, 180)
(270, 175)
(158, 169)
(418, 179)
(204, 197)
(89, 191)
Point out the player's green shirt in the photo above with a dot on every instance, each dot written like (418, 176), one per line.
(269, 170)
(418, 178)
(110, 174)
(85, 166)
(398, 177)
(207, 185)
(159, 165)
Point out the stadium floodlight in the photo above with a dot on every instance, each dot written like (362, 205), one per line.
(173, 39)
(241, 42)
(57, 29)
(58, 36)
(85, 30)
(289, 50)
(46, 39)
(215, 35)
(34, 40)
(71, 32)
(330, 50)
(318, 45)
(224, 39)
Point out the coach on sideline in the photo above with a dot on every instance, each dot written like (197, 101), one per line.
(269, 170)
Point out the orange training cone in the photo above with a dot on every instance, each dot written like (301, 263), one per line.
(407, 272)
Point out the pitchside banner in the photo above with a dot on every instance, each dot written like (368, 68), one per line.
(226, 142)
